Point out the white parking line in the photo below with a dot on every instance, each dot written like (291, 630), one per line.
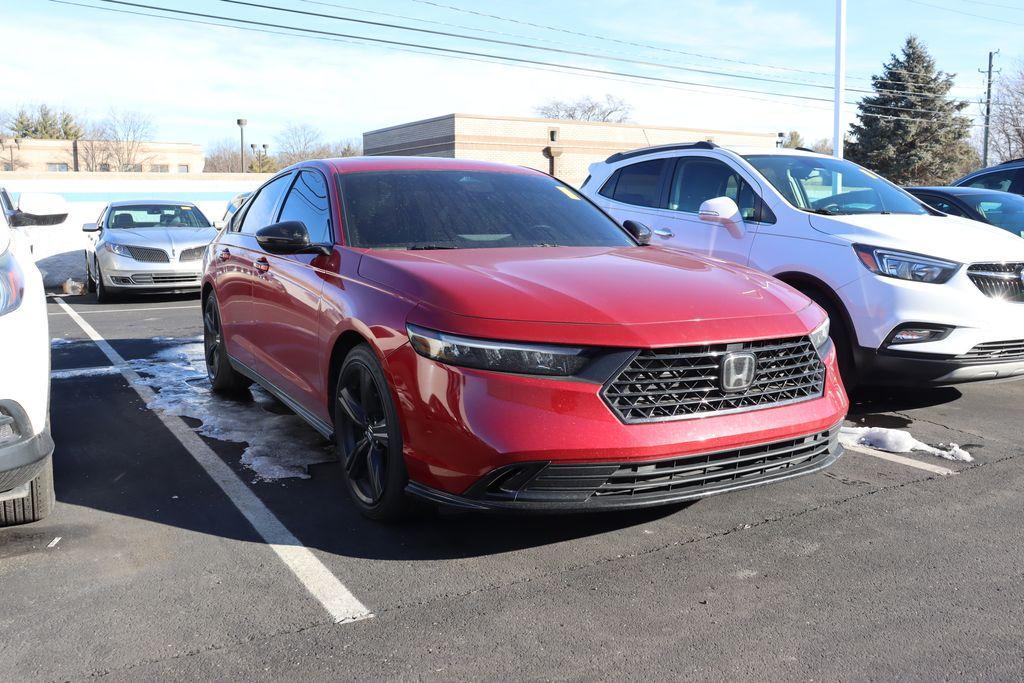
(196, 307)
(311, 572)
(910, 462)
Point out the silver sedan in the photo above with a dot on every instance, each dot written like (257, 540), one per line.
(146, 245)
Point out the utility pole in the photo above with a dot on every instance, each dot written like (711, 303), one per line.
(840, 93)
(241, 150)
(988, 108)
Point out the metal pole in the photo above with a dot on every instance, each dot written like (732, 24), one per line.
(241, 150)
(840, 93)
(988, 109)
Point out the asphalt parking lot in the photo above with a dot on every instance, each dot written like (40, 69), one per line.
(153, 566)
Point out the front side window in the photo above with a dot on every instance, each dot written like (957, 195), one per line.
(638, 184)
(698, 179)
(470, 209)
(832, 186)
(307, 202)
(997, 180)
(1005, 211)
(262, 208)
(136, 216)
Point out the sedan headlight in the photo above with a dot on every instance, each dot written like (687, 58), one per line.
(819, 337)
(118, 249)
(530, 359)
(905, 265)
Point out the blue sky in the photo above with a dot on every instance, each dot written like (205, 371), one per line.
(195, 80)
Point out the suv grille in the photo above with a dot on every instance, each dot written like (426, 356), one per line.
(999, 280)
(677, 383)
(1012, 349)
(193, 254)
(148, 254)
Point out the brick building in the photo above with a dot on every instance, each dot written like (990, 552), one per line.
(562, 148)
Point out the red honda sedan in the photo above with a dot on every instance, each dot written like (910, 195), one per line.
(483, 336)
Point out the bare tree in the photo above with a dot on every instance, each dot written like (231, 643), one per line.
(299, 142)
(222, 157)
(793, 139)
(823, 146)
(612, 109)
(1006, 130)
(351, 147)
(94, 149)
(126, 133)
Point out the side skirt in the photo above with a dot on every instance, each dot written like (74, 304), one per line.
(315, 422)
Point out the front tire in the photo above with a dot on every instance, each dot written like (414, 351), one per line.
(39, 502)
(104, 294)
(90, 283)
(224, 379)
(369, 439)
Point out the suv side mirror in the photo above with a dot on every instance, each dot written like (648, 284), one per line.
(724, 212)
(288, 237)
(640, 232)
(90, 227)
(38, 208)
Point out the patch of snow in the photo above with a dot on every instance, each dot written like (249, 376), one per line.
(279, 444)
(898, 441)
(97, 371)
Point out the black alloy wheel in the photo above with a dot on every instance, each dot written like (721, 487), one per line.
(223, 377)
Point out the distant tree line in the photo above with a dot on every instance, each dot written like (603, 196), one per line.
(295, 143)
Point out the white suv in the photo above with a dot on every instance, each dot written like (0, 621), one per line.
(915, 296)
(26, 466)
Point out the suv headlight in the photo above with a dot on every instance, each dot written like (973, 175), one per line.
(118, 249)
(905, 265)
(529, 359)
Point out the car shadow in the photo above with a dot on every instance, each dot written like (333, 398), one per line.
(130, 298)
(874, 406)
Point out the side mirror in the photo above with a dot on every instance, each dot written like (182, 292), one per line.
(90, 227)
(640, 232)
(37, 208)
(220, 224)
(288, 237)
(724, 212)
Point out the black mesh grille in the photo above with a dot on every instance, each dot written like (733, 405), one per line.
(999, 280)
(193, 254)
(1012, 349)
(148, 254)
(676, 383)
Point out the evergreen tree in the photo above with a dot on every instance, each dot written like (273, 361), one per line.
(46, 124)
(909, 131)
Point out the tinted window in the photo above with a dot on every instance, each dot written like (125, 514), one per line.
(138, 216)
(261, 209)
(997, 180)
(943, 205)
(307, 202)
(698, 179)
(1002, 210)
(637, 184)
(470, 209)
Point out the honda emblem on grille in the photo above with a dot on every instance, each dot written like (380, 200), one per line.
(737, 371)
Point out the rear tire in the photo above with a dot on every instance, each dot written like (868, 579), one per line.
(39, 502)
(224, 379)
(841, 337)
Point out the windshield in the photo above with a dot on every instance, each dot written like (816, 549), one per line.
(1002, 210)
(832, 186)
(469, 210)
(156, 216)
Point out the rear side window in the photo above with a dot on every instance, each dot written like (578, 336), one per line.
(997, 180)
(261, 208)
(637, 184)
(307, 202)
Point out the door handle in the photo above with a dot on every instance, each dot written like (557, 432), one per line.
(224, 254)
(664, 232)
(261, 264)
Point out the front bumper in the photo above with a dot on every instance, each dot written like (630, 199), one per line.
(124, 273)
(902, 368)
(22, 459)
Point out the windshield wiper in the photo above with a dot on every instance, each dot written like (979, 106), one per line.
(417, 247)
(823, 212)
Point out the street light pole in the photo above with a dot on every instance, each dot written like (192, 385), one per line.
(241, 150)
(840, 93)
(988, 109)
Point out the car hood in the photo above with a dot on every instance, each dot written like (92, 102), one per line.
(581, 285)
(162, 238)
(948, 237)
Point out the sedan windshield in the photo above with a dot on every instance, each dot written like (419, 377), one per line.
(832, 186)
(1001, 209)
(156, 216)
(468, 210)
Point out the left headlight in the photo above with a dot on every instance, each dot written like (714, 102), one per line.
(528, 359)
(118, 249)
(819, 338)
(905, 265)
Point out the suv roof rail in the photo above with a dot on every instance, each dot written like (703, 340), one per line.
(1011, 161)
(619, 156)
(808, 149)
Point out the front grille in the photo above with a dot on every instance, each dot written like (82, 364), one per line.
(999, 280)
(148, 254)
(678, 383)
(193, 254)
(1010, 350)
(165, 278)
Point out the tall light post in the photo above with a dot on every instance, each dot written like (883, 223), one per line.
(837, 131)
(261, 153)
(241, 149)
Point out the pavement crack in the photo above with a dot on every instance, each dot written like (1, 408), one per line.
(913, 418)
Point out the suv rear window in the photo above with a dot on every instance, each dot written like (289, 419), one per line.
(637, 184)
(997, 180)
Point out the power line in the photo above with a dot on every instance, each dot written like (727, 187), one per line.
(966, 14)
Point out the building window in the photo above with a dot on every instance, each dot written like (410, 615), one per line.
(160, 168)
(8, 166)
(182, 168)
(105, 168)
(132, 168)
(59, 167)
(552, 135)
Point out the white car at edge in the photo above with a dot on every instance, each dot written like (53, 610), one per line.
(915, 296)
(26, 449)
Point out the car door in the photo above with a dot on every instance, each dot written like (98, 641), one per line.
(234, 269)
(694, 180)
(286, 299)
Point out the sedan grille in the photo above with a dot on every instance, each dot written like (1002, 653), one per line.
(678, 383)
(148, 254)
(193, 254)
(165, 278)
(989, 352)
(999, 280)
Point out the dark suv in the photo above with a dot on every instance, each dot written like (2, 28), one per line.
(1006, 177)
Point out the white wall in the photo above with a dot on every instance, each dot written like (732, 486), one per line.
(59, 249)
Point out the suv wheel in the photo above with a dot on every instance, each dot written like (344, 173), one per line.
(224, 378)
(36, 505)
(369, 439)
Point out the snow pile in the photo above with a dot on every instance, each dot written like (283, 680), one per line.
(898, 441)
(97, 371)
(279, 444)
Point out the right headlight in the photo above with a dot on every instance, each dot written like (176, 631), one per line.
(904, 265)
(531, 359)
(118, 249)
